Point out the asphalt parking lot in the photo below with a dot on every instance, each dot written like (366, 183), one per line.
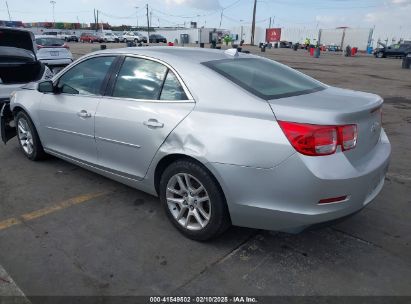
(68, 231)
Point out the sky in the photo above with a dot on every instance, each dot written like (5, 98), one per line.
(389, 14)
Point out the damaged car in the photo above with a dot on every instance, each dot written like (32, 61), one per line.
(19, 65)
(270, 149)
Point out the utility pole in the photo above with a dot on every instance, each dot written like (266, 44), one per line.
(253, 26)
(269, 25)
(8, 11)
(148, 25)
(136, 7)
(95, 17)
(53, 3)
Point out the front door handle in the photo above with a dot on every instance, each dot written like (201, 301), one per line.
(153, 123)
(84, 114)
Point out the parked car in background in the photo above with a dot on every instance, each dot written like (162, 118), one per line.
(54, 52)
(156, 38)
(66, 36)
(134, 37)
(69, 37)
(397, 50)
(50, 34)
(270, 149)
(107, 36)
(90, 37)
(18, 66)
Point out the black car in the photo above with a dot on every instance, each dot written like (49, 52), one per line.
(397, 50)
(155, 38)
(19, 66)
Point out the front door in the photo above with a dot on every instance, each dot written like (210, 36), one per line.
(67, 118)
(146, 104)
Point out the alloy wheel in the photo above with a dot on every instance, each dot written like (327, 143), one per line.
(188, 201)
(25, 136)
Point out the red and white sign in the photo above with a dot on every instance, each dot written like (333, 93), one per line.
(273, 34)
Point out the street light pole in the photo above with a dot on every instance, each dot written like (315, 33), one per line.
(53, 3)
(253, 25)
(136, 7)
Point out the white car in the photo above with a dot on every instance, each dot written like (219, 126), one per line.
(133, 37)
(107, 36)
(53, 52)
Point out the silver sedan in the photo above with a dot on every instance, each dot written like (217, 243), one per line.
(221, 137)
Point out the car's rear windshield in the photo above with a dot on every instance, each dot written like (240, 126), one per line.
(49, 41)
(265, 78)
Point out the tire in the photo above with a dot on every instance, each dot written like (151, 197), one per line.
(184, 213)
(136, 41)
(30, 138)
(380, 55)
(125, 40)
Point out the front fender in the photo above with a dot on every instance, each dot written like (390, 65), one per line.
(29, 101)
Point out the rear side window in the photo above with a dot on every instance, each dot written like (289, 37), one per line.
(172, 89)
(265, 78)
(140, 79)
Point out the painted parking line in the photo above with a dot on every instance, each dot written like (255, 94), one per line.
(45, 211)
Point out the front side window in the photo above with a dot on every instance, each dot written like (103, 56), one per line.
(140, 79)
(265, 78)
(87, 77)
(172, 89)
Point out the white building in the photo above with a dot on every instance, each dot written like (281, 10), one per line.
(194, 35)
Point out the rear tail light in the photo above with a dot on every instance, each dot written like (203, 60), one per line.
(66, 46)
(318, 140)
(348, 137)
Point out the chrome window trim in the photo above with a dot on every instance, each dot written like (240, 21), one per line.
(190, 98)
(148, 100)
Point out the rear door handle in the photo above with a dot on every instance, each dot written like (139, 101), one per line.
(153, 123)
(84, 114)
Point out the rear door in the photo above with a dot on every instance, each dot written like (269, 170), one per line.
(147, 100)
(67, 118)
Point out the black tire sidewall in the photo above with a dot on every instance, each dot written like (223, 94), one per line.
(219, 220)
(38, 151)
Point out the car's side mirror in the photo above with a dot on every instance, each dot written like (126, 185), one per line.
(46, 87)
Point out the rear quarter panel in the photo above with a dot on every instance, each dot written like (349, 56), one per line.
(228, 125)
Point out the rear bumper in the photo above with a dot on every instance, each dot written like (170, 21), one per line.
(285, 198)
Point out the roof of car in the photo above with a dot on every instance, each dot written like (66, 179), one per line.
(173, 55)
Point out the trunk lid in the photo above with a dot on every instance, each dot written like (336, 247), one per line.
(334, 106)
(17, 38)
